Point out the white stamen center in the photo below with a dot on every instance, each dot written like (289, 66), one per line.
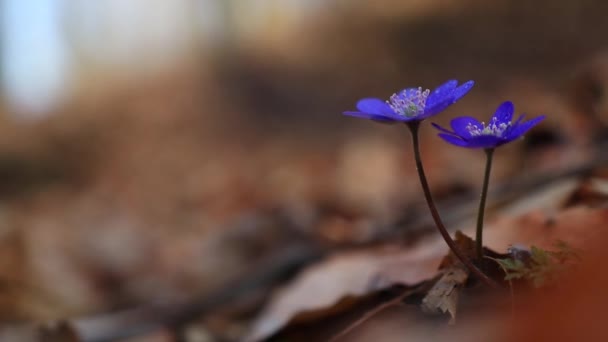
(410, 102)
(493, 128)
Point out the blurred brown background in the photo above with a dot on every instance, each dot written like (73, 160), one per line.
(148, 147)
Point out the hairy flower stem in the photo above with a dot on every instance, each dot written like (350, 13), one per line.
(435, 214)
(482, 205)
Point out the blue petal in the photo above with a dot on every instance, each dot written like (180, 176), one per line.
(379, 118)
(441, 129)
(522, 128)
(514, 125)
(375, 106)
(462, 90)
(442, 93)
(487, 141)
(460, 124)
(504, 113)
(435, 108)
(453, 140)
(521, 117)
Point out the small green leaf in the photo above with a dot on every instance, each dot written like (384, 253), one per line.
(512, 264)
(543, 267)
(511, 276)
(539, 256)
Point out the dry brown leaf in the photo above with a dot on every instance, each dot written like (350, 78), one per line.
(351, 274)
(443, 296)
(576, 226)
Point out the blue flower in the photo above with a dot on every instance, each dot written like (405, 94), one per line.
(411, 104)
(468, 132)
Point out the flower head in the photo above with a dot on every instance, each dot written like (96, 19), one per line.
(411, 104)
(468, 132)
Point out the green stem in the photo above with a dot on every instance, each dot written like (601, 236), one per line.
(482, 205)
(435, 213)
